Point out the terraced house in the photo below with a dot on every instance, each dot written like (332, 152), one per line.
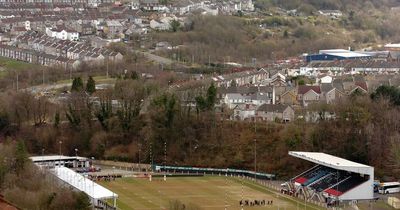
(31, 56)
(33, 47)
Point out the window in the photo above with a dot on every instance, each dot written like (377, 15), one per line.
(392, 186)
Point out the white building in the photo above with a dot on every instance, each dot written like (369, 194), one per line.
(243, 112)
(162, 24)
(135, 5)
(331, 13)
(256, 99)
(247, 5)
(63, 34)
(61, 160)
(325, 80)
(94, 3)
(28, 25)
(157, 25)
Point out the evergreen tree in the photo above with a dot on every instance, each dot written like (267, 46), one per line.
(207, 102)
(105, 112)
(4, 121)
(21, 156)
(285, 34)
(233, 83)
(90, 85)
(175, 25)
(211, 96)
(168, 104)
(57, 119)
(134, 75)
(77, 85)
(390, 92)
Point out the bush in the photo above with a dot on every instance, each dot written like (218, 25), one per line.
(90, 85)
(305, 32)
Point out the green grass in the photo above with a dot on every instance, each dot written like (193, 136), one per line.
(207, 192)
(7, 64)
(10, 64)
(378, 205)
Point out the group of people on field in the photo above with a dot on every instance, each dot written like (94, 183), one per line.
(255, 202)
(103, 178)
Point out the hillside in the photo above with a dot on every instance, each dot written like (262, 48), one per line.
(345, 5)
(281, 29)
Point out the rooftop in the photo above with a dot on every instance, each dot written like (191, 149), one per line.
(83, 184)
(332, 161)
(277, 108)
(54, 158)
(348, 54)
(343, 53)
(303, 89)
(393, 45)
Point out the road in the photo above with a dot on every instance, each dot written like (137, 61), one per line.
(44, 88)
(158, 59)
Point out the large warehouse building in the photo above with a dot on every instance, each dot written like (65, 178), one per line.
(332, 179)
(336, 54)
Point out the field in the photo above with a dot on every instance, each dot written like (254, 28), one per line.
(204, 192)
(379, 205)
(13, 64)
(10, 64)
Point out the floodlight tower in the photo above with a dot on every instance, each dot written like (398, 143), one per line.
(165, 160)
(255, 148)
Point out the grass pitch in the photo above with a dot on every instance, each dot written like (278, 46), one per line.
(210, 192)
(7, 64)
(14, 64)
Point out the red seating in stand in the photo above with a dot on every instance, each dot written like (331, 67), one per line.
(301, 180)
(333, 192)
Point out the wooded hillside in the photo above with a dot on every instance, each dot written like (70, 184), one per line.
(364, 130)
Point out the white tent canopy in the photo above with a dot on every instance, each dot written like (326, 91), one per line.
(92, 189)
(55, 158)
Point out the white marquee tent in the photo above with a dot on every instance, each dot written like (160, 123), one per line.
(78, 181)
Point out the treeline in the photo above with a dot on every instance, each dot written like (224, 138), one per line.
(136, 121)
(27, 187)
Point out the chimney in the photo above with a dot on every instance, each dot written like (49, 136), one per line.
(273, 94)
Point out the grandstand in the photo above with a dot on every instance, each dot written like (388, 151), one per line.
(332, 179)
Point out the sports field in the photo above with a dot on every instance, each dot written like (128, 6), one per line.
(210, 192)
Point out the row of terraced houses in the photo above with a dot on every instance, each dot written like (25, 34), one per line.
(33, 47)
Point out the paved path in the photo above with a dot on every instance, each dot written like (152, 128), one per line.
(159, 59)
(43, 88)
